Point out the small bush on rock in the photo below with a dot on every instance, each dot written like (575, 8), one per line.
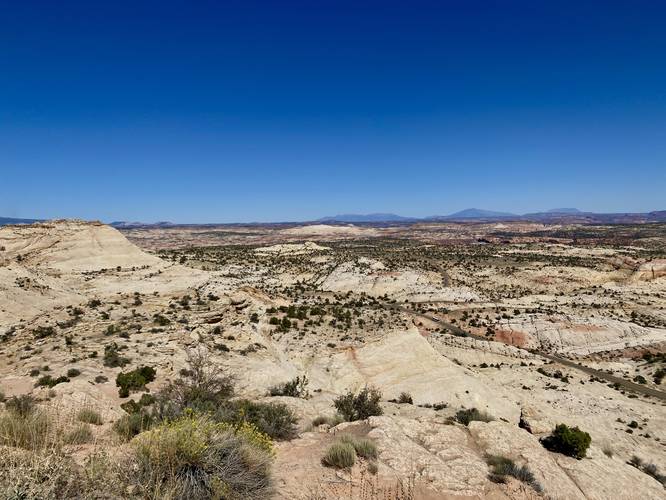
(465, 416)
(204, 387)
(361, 406)
(648, 468)
(339, 454)
(134, 380)
(296, 388)
(49, 381)
(569, 441)
(112, 357)
(405, 398)
(501, 467)
(364, 447)
(274, 419)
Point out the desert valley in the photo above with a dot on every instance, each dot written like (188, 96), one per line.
(407, 360)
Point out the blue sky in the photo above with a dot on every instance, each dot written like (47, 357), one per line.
(274, 111)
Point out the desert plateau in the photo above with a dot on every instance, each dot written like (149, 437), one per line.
(470, 343)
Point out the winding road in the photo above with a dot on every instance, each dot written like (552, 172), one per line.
(626, 384)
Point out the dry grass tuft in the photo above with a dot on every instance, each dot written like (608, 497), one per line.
(339, 454)
(364, 447)
(32, 431)
(80, 434)
(89, 416)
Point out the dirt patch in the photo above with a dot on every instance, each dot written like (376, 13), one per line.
(511, 337)
(585, 328)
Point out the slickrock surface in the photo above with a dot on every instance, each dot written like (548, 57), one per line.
(348, 314)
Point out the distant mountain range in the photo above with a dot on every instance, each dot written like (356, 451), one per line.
(469, 213)
(556, 215)
(4, 221)
(121, 224)
(366, 218)
(564, 211)
(476, 214)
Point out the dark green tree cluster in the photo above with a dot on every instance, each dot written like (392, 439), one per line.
(570, 441)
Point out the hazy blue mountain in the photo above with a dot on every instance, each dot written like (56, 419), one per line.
(4, 221)
(657, 216)
(366, 218)
(476, 213)
(120, 224)
(564, 211)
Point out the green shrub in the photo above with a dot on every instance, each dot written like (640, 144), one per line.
(49, 381)
(274, 419)
(405, 398)
(194, 457)
(131, 425)
(132, 406)
(296, 388)
(465, 416)
(569, 441)
(659, 375)
(73, 372)
(42, 332)
(364, 447)
(340, 455)
(361, 406)
(161, 320)
(112, 357)
(89, 416)
(203, 387)
(135, 380)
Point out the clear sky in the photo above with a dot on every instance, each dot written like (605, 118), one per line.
(223, 111)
